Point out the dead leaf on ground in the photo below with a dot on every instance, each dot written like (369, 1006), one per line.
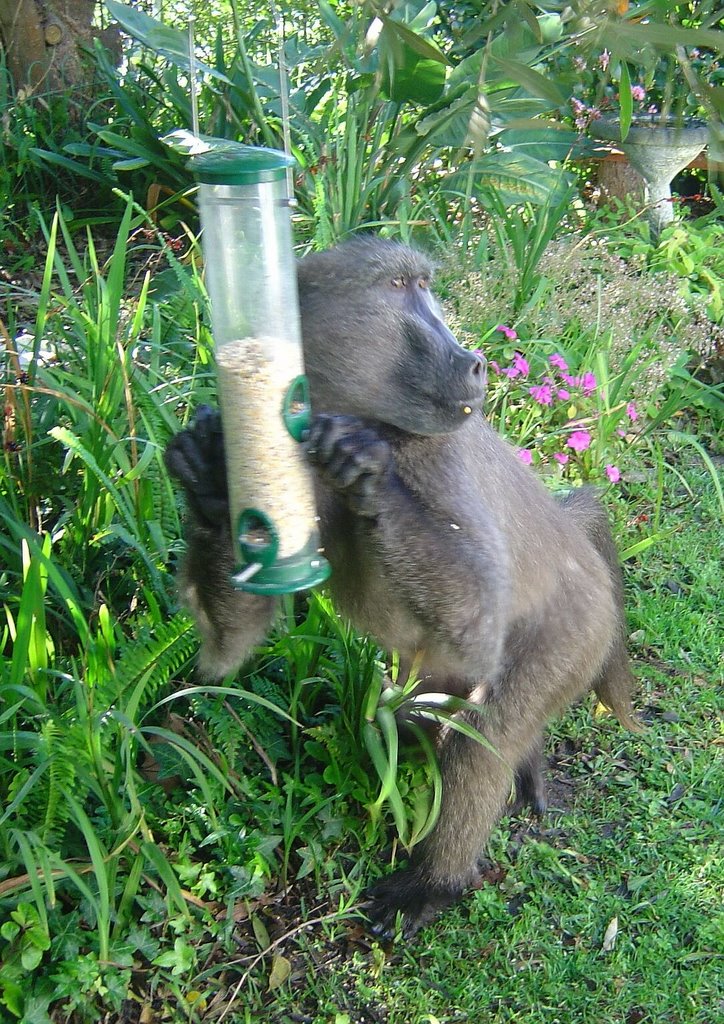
(281, 969)
(609, 936)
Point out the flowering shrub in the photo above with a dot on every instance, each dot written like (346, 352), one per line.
(566, 423)
(657, 88)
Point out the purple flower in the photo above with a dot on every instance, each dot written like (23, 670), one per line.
(557, 360)
(495, 367)
(561, 458)
(604, 60)
(579, 440)
(509, 333)
(589, 384)
(613, 473)
(525, 456)
(638, 93)
(572, 382)
(519, 368)
(631, 412)
(563, 394)
(542, 394)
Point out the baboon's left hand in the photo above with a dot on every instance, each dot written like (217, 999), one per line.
(353, 459)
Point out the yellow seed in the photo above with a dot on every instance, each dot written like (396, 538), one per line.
(467, 410)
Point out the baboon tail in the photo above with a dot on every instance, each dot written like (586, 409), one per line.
(613, 688)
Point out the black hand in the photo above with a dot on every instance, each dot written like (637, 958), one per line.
(195, 457)
(354, 460)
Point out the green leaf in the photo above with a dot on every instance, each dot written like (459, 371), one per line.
(625, 100)
(532, 81)
(516, 177)
(9, 930)
(421, 46)
(166, 41)
(665, 37)
(30, 957)
(69, 165)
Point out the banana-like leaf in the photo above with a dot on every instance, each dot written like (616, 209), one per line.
(664, 37)
(417, 43)
(166, 41)
(516, 177)
(531, 80)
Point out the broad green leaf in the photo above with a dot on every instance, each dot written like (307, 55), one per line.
(422, 46)
(532, 81)
(166, 41)
(516, 176)
(542, 143)
(666, 37)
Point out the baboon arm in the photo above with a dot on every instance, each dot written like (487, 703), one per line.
(231, 623)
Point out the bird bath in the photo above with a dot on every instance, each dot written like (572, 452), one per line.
(658, 150)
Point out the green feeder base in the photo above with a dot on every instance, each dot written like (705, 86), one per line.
(302, 571)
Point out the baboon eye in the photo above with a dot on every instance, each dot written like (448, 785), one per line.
(423, 282)
(399, 282)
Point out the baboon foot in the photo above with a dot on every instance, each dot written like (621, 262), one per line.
(404, 903)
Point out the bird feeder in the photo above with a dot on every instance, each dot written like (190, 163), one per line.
(263, 390)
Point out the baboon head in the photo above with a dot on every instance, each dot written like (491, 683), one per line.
(376, 345)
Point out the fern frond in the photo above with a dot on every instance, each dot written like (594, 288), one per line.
(158, 653)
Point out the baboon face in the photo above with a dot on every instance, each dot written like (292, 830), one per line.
(408, 370)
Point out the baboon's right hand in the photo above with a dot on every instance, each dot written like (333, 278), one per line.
(195, 457)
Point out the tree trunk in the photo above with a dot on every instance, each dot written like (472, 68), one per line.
(42, 42)
(618, 178)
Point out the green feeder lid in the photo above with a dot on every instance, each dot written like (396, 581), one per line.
(233, 163)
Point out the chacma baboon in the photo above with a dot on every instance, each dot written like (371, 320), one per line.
(443, 545)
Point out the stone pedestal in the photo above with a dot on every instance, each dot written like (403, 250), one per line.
(658, 151)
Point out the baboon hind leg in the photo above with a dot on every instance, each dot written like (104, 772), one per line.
(530, 787)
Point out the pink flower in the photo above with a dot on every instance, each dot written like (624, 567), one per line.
(525, 456)
(589, 383)
(495, 367)
(572, 382)
(604, 60)
(613, 473)
(579, 440)
(563, 394)
(561, 458)
(509, 333)
(631, 412)
(542, 394)
(519, 368)
(638, 93)
(557, 360)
